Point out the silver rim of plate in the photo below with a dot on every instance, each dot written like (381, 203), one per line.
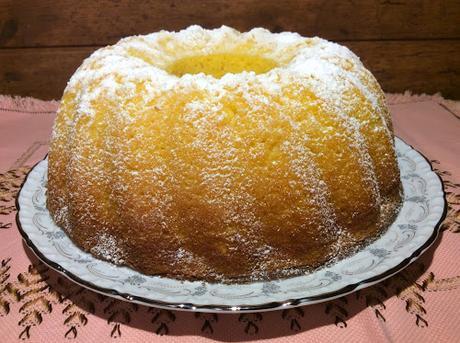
(414, 231)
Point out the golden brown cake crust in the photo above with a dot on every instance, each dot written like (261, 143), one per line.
(138, 255)
(236, 178)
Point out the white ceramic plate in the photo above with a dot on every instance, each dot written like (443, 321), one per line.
(414, 230)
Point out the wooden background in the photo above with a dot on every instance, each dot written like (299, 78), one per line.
(412, 45)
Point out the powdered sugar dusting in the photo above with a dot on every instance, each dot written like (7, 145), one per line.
(108, 248)
(179, 159)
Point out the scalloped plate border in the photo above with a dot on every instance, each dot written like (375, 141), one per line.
(413, 232)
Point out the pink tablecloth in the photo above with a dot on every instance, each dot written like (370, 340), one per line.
(420, 304)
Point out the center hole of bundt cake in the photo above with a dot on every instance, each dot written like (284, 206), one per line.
(218, 65)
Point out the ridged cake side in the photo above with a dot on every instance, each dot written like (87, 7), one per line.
(241, 177)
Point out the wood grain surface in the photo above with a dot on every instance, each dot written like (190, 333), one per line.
(411, 45)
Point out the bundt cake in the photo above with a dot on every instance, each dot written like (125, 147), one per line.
(223, 156)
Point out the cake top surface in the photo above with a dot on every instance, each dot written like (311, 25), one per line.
(327, 68)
